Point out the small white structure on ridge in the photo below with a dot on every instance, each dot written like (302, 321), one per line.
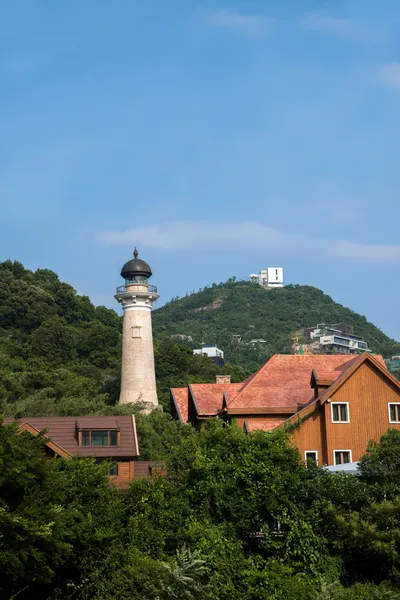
(272, 277)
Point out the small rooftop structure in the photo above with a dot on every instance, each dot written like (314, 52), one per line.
(216, 355)
(272, 277)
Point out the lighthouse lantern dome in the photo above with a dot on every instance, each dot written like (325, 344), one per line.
(136, 270)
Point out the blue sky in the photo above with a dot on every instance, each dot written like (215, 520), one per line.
(220, 137)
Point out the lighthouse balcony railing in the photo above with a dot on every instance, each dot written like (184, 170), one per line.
(151, 288)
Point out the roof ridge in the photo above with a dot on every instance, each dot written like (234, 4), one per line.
(256, 374)
(354, 364)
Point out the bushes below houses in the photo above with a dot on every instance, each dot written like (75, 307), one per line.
(207, 530)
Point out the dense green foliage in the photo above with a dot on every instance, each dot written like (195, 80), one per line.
(60, 355)
(206, 531)
(216, 314)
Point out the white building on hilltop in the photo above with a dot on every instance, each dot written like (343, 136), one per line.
(272, 277)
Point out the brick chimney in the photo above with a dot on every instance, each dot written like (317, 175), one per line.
(222, 379)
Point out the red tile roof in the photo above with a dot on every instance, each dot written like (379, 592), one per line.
(284, 381)
(209, 397)
(64, 432)
(263, 424)
(181, 400)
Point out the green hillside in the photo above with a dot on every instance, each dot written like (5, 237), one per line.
(216, 314)
(60, 355)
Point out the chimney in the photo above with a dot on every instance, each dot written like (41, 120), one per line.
(222, 379)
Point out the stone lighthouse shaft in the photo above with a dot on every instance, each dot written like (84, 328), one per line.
(138, 380)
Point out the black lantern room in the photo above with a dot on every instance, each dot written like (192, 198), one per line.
(136, 270)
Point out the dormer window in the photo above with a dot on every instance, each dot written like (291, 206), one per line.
(99, 438)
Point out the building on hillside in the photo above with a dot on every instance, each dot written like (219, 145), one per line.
(138, 379)
(111, 439)
(393, 364)
(272, 277)
(215, 354)
(345, 401)
(338, 338)
(257, 341)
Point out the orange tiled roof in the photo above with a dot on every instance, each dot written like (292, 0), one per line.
(181, 397)
(263, 424)
(209, 397)
(284, 381)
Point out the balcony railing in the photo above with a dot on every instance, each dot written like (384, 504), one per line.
(151, 288)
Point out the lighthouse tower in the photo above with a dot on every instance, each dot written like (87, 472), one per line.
(138, 380)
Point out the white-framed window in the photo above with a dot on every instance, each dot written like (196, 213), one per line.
(311, 456)
(341, 457)
(394, 412)
(340, 412)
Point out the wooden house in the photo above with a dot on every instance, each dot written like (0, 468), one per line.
(112, 439)
(341, 403)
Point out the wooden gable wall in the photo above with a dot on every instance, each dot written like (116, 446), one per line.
(368, 393)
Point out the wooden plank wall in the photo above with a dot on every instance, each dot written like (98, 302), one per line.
(368, 393)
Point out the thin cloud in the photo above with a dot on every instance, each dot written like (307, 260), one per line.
(339, 27)
(390, 74)
(375, 252)
(195, 235)
(179, 235)
(250, 24)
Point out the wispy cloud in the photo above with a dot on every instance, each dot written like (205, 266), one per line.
(375, 252)
(390, 74)
(249, 24)
(195, 235)
(179, 235)
(339, 27)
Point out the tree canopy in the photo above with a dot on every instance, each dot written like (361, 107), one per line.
(237, 517)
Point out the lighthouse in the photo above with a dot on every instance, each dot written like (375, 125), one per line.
(138, 379)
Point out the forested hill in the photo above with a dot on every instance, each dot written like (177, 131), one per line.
(216, 314)
(60, 355)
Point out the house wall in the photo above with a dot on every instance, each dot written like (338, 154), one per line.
(368, 393)
(273, 420)
(126, 469)
(129, 470)
(311, 436)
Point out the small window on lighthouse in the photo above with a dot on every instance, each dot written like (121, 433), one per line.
(136, 331)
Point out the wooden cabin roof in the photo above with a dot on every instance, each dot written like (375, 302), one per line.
(63, 431)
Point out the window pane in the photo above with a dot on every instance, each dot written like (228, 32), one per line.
(85, 438)
(113, 438)
(343, 412)
(335, 412)
(113, 471)
(99, 438)
(394, 412)
(311, 457)
(346, 457)
(338, 458)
